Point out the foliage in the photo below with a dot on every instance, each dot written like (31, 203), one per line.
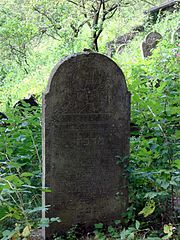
(20, 174)
(16, 33)
(43, 33)
(34, 35)
(154, 169)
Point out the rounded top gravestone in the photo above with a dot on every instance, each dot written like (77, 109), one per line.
(86, 119)
(150, 42)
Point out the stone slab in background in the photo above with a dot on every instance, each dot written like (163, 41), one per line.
(170, 5)
(150, 43)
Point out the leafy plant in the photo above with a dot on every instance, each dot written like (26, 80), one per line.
(20, 174)
(154, 152)
(35, 34)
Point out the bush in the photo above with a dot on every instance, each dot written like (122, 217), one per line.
(20, 172)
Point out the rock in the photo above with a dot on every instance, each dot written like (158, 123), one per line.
(26, 103)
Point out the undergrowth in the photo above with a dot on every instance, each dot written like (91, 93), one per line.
(154, 165)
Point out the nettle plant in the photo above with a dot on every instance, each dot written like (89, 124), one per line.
(154, 169)
(20, 173)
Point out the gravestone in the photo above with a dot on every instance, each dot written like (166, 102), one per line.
(86, 111)
(121, 48)
(150, 42)
(119, 42)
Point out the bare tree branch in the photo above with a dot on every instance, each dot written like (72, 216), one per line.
(85, 13)
(152, 4)
(77, 29)
(73, 2)
(112, 14)
(52, 21)
(113, 7)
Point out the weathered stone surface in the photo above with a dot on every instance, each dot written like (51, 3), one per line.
(150, 42)
(86, 111)
(169, 5)
(119, 44)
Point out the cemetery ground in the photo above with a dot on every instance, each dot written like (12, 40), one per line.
(32, 44)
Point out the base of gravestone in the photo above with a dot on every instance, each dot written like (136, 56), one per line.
(79, 231)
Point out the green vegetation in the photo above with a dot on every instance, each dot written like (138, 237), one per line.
(34, 35)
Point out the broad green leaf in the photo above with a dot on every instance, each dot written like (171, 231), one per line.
(137, 224)
(177, 163)
(131, 236)
(7, 234)
(57, 219)
(3, 212)
(123, 234)
(98, 225)
(21, 138)
(46, 190)
(44, 222)
(117, 221)
(148, 209)
(14, 179)
(110, 229)
(26, 231)
(26, 174)
(168, 229)
(16, 165)
(37, 209)
(165, 185)
(151, 195)
(177, 134)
